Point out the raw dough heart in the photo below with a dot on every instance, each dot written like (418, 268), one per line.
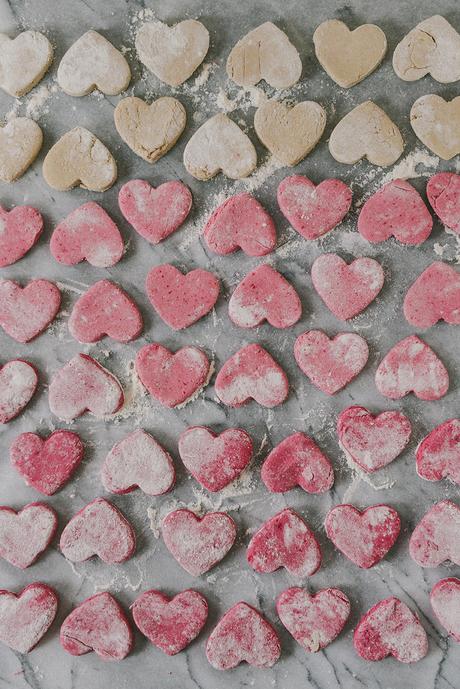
(434, 296)
(436, 538)
(443, 191)
(20, 229)
(26, 534)
(219, 145)
(436, 123)
(24, 61)
(349, 56)
(18, 382)
(26, 617)
(438, 455)
(20, 141)
(445, 601)
(25, 312)
(79, 159)
(366, 131)
(264, 53)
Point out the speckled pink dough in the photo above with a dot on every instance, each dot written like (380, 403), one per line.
(155, 213)
(297, 461)
(373, 441)
(242, 635)
(172, 378)
(251, 373)
(87, 233)
(313, 210)
(241, 222)
(98, 529)
(313, 620)
(84, 385)
(436, 538)
(18, 382)
(412, 366)
(138, 461)
(443, 191)
(98, 624)
(390, 628)
(26, 617)
(179, 299)
(171, 624)
(330, 364)
(438, 455)
(363, 537)
(264, 294)
(286, 541)
(215, 460)
(396, 210)
(20, 229)
(26, 534)
(346, 289)
(198, 543)
(25, 312)
(445, 601)
(434, 296)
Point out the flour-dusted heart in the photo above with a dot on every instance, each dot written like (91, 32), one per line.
(20, 141)
(138, 461)
(18, 382)
(181, 300)
(412, 366)
(443, 191)
(434, 296)
(445, 601)
(26, 617)
(26, 534)
(171, 624)
(25, 312)
(97, 624)
(198, 543)
(436, 538)
(24, 60)
(363, 537)
(91, 63)
(20, 229)
(436, 122)
(438, 455)
(366, 132)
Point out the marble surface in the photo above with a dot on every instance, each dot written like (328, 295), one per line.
(307, 409)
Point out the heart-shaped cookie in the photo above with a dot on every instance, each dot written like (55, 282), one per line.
(20, 141)
(20, 229)
(438, 455)
(18, 382)
(434, 296)
(445, 601)
(219, 145)
(23, 61)
(436, 122)
(443, 191)
(79, 159)
(25, 312)
(366, 132)
(26, 534)
(26, 617)
(436, 538)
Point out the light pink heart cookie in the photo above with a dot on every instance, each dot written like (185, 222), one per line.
(445, 601)
(26, 534)
(198, 543)
(25, 312)
(98, 529)
(436, 538)
(215, 460)
(443, 191)
(264, 295)
(179, 299)
(434, 296)
(155, 213)
(241, 222)
(438, 455)
(20, 229)
(330, 364)
(88, 233)
(18, 382)
(26, 617)
(313, 210)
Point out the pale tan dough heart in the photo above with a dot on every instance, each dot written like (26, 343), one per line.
(290, 133)
(172, 53)
(264, 53)
(436, 123)
(349, 56)
(79, 158)
(23, 61)
(366, 131)
(92, 62)
(20, 141)
(219, 145)
(432, 47)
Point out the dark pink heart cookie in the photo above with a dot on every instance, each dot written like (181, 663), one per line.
(20, 229)
(18, 382)
(26, 534)
(25, 312)
(443, 191)
(26, 617)
(438, 455)
(434, 296)
(445, 601)
(436, 538)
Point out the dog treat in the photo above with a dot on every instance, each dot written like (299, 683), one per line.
(20, 229)
(26, 534)
(26, 617)
(445, 601)
(434, 296)
(24, 60)
(20, 141)
(25, 312)
(436, 122)
(438, 455)
(443, 191)
(436, 538)
(18, 382)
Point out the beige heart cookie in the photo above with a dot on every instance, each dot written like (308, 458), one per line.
(79, 158)
(290, 133)
(436, 123)
(432, 47)
(219, 145)
(366, 131)
(349, 56)
(20, 141)
(265, 53)
(23, 61)
(91, 63)
(150, 130)
(172, 53)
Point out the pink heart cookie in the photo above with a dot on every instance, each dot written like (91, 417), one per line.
(138, 461)
(313, 210)
(98, 529)
(251, 373)
(18, 382)
(88, 233)
(155, 213)
(241, 222)
(171, 624)
(436, 538)
(179, 299)
(445, 601)
(215, 460)
(198, 543)
(26, 534)
(297, 461)
(285, 540)
(363, 537)
(438, 455)
(412, 366)
(20, 229)
(330, 364)
(434, 296)
(443, 191)
(26, 617)
(390, 628)
(25, 312)
(396, 210)
(264, 294)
